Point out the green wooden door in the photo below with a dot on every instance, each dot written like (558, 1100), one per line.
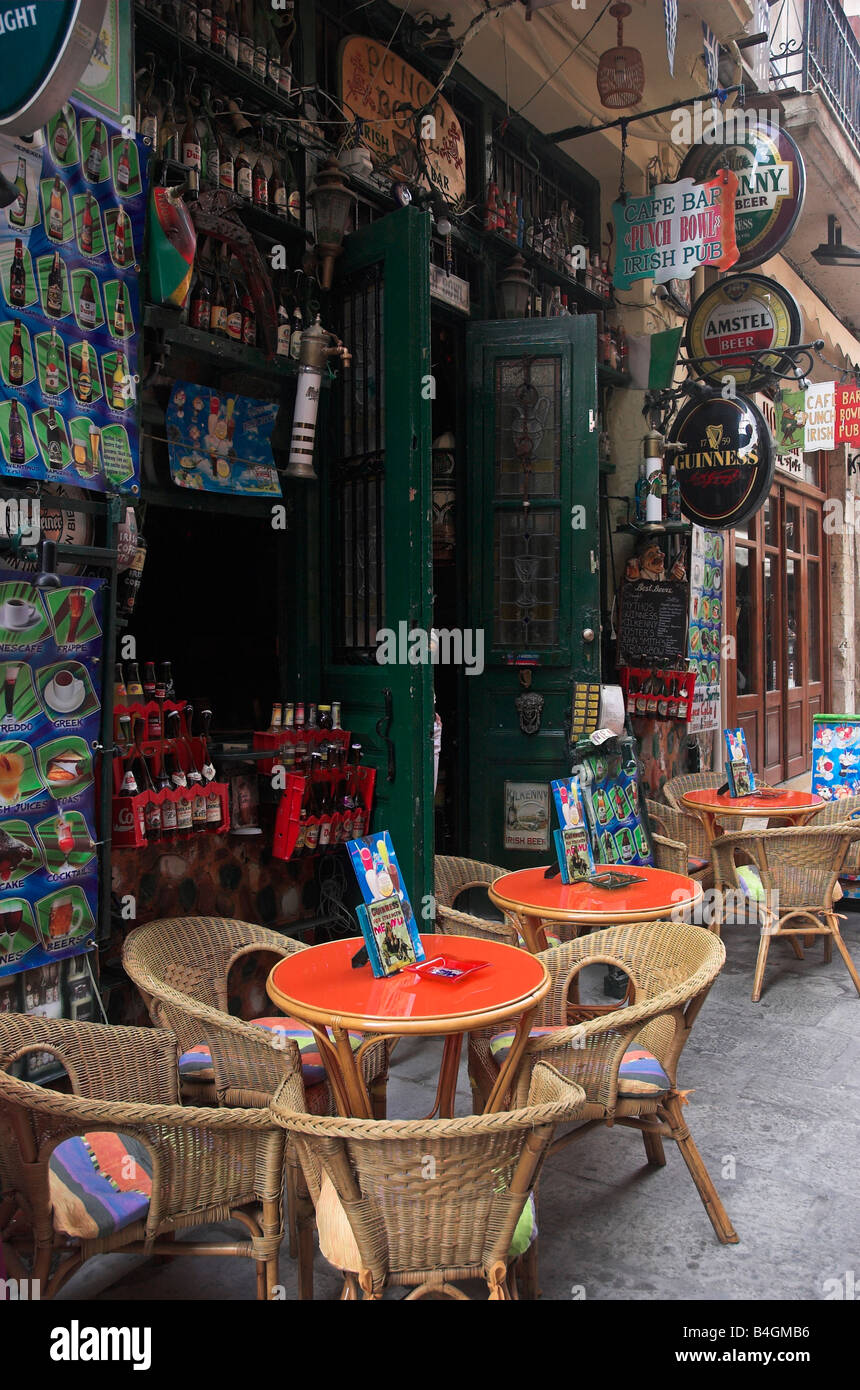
(534, 563)
(376, 548)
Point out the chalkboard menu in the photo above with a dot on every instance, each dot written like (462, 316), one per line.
(654, 621)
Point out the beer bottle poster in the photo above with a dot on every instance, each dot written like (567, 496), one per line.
(221, 442)
(50, 716)
(70, 310)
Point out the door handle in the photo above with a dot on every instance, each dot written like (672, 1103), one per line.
(588, 634)
(386, 720)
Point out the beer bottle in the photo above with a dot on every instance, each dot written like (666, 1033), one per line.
(119, 320)
(201, 300)
(260, 179)
(128, 785)
(246, 38)
(189, 20)
(244, 176)
(231, 42)
(18, 211)
(226, 164)
(165, 681)
(85, 380)
(273, 57)
(56, 221)
(218, 306)
(218, 39)
(16, 356)
(261, 47)
(123, 169)
(17, 452)
(209, 150)
(234, 313)
(55, 441)
(18, 277)
(152, 810)
(87, 303)
(87, 227)
(169, 818)
(249, 319)
(120, 694)
(204, 23)
(168, 137)
(277, 720)
(148, 119)
(149, 679)
(95, 158)
(54, 295)
(132, 681)
(191, 152)
(52, 369)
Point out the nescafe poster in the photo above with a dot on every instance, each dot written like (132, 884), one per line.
(69, 303)
(50, 716)
(725, 462)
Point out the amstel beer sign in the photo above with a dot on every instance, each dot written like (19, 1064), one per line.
(771, 182)
(385, 94)
(725, 461)
(738, 315)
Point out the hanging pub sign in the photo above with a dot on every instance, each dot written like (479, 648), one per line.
(674, 229)
(738, 314)
(725, 461)
(771, 181)
(44, 49)
(385, 95)
(823, 416)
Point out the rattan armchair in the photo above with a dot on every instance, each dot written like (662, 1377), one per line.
(675, 787)
(680, 828)
(182, 967)
(799, 870)
(453, 876)
(671, 967)
(839, 812)
(426, 1203)
(202, 1165)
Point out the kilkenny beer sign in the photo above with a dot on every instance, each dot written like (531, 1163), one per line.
(45, 47)
(673, 230)
(770, 189)
(724, 461)
(391, 101)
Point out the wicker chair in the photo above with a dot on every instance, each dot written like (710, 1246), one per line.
(680, 828)
(182, 966)
(838, 812)
(425, 1203)
(203, 1165)
(799, 870)
(453, 876)
(675, 787)
(671, 967)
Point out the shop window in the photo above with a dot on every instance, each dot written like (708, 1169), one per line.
(771, 612)
(528, 426)
(794, 654)
(745, 672)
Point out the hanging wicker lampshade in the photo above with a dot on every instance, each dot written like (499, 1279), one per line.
(620, 71)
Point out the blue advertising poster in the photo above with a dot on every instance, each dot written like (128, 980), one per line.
(50, 716)
(611, 795)
(221, 442)
(836, 755)
(70, 308)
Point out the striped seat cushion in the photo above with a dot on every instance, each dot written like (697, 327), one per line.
(99, 1184)
(640, 1074)
(196, 1063)
(695, 864)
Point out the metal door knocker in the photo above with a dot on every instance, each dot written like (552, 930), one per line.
(529, 705)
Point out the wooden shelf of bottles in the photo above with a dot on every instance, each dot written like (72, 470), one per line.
(153, 32)
(222, 351)
(257, 219)
(547, 272)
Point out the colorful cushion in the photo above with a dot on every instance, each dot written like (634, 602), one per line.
(99, 1184)
(196, 1063)
(551, 939)
(640, 1074)
(749, 879)
(695, 864)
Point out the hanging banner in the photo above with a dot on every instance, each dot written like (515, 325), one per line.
(732, 326)
(706, 627)
(70, 305)
(820, 423)
(771, 179)
(675, 229)
(820, 417)
(384, 95)
(726, 459)
(847, 428)
(220, 442)
(50, 717)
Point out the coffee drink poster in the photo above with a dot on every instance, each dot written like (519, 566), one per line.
(70, 308)
(50, 717)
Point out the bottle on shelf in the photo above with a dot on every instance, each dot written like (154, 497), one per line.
(120, 694)
(261, 46)
(673, 496)
(204, 23)
(210, 153)
(244, 174)
(246, 38)
(189, 20)
(147, 120)
(201, 295)
(16, 356)
(55, 211)
(218, 305)
(249, 319)
(260, 178)
(149, 680)
(133, 683)
(234, 311)
(169, 137)
(218, 37)
(191, 155)
(17, 213)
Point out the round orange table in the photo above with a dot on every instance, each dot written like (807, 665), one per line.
(320, 987)
(530, 896)
(795, 807)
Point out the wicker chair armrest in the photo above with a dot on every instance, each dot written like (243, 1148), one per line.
(103, 1062)
(670, 854)
(450, 921)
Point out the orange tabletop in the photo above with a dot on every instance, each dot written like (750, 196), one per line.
(721, 803)
(320, 987)
(528, 893)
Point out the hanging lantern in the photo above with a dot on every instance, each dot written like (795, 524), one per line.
(620, 71)
(332, 202)
(514, 288)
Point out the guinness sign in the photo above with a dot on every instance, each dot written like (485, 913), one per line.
(725, 460)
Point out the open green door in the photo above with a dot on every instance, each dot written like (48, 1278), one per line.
(534, 585)
(376, 519)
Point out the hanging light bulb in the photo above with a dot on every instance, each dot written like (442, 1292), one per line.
(620, 71)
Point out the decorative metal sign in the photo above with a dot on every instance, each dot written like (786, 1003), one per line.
(44, 49)
(740, 313)
(771, 184)
(385, 94)
(725, 462)
(675, 229)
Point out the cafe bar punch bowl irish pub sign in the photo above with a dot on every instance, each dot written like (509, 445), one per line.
(725, 460)
(45, 47)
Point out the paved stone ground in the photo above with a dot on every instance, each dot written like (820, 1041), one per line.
(774, 1113)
